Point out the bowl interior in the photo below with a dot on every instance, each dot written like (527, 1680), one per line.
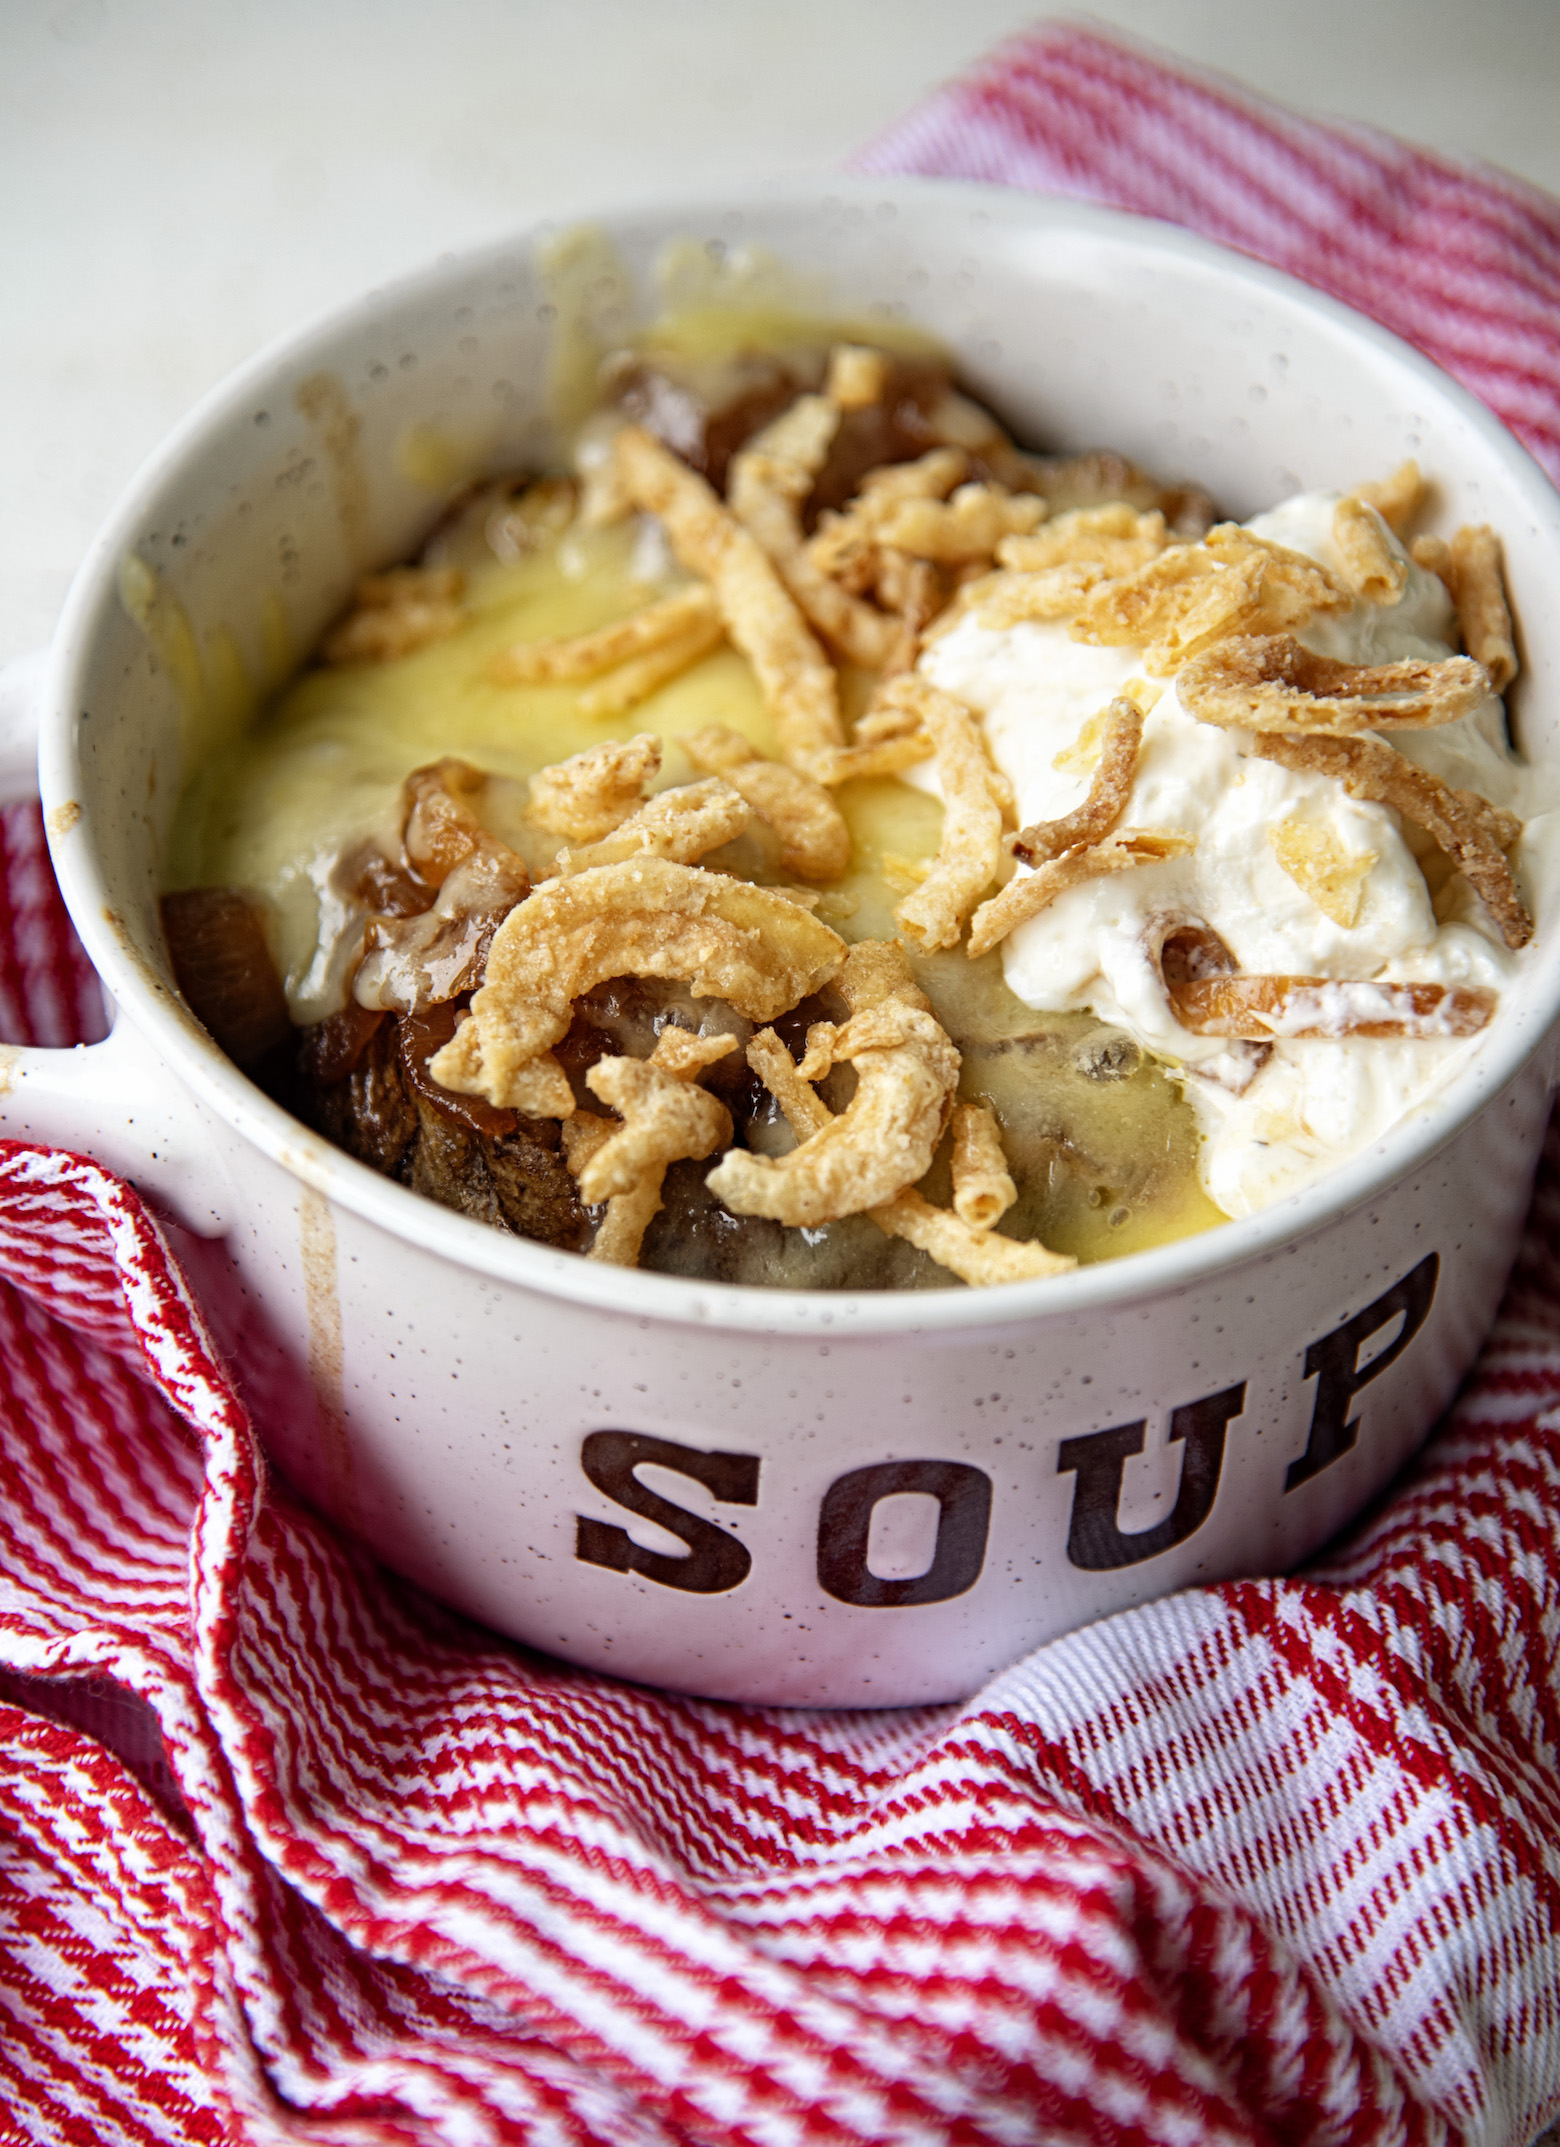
(331, 454)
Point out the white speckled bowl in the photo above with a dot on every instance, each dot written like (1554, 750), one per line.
(759, 1494)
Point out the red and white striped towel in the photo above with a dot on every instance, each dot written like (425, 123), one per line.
(1463, 261)
(1275, 1861)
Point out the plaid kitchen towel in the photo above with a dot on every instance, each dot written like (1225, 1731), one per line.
(289, 1854)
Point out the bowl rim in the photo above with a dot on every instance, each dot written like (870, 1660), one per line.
(654, 1299)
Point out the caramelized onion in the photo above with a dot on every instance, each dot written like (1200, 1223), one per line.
(224, 969)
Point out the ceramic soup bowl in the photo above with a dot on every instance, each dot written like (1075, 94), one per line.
(770, 1495)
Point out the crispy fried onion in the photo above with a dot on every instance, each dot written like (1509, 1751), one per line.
(970, 848)
(1193, 595)
(1263, 1008)
(792, 1090)
(1116, 538)
(647, 917)
(887, 740)
(1082, 756)
(1032, 892)
(953, 420)
(814, 839)
(966, 527)
(912, 590)
(768, 485)
(1474, 834)
(852, 550)
(412, 963)
(872, 547)
(620, 1234)
(397, 612)
(664, 1116)
(1470, 566)
(681, 824)
(973, 1251)
(1398, 498)
(1120, 739)
(858, 376)
(586, 797)
(686, 613)
(636, 680)
(1373, 564)
(906, 1067)
(978, 1257)
(1012, 599)
(760, 614)
(1271, 682)
(1099, 478)
(848, 541)
(1051, 574)
(983, 1188)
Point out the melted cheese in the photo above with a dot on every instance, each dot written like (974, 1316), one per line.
(1109, 1164)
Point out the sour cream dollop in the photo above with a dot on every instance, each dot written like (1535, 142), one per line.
(1316, 1100)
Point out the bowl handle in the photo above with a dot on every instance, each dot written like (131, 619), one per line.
(115, 1101)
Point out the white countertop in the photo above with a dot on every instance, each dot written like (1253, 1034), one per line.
(183, 179)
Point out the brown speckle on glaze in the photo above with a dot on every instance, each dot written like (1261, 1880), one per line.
(64, 817)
